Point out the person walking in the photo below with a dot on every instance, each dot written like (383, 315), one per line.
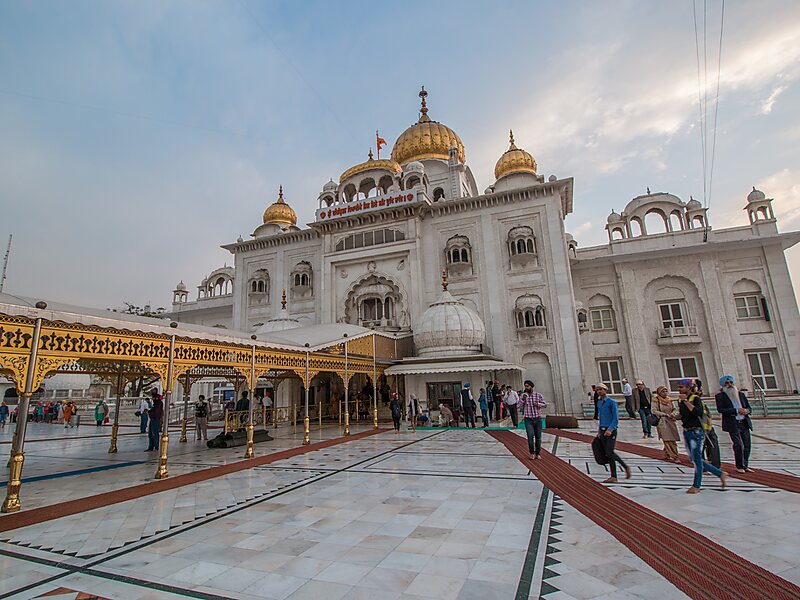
(201, 419)
(593, 398)
(643, 403)
(692, 414)
(532, 403)
(496, 397)
(711, 442)
(413, 411)
(627, 391)
(484, 406)
(511, 399)
(144, 408)
(3, 413)
(69, 411)
(155, 414)
(99, 413)
(664, 409)
(468, 406)
(734, 407)
(397, 411)
(608, 422)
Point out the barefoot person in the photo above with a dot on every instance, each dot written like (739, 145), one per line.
(734, 407)
(532, 404)
(608, 415)
(691, 411)
(664, 409)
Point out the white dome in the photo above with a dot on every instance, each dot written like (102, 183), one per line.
(448, 328)
(414, 167)
(181, 287)
(280, 323)
(614, 217)
(756, 195)
(330, 186)
(693, 204)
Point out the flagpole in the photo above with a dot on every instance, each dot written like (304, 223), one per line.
(377, 137)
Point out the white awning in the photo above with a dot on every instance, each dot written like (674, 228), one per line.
(451, 366)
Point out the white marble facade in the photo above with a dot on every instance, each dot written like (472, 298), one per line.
(568, 316)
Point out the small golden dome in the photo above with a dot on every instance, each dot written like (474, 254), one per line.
(426, 139)
(370, 163)
(280, 213)
(514, 160)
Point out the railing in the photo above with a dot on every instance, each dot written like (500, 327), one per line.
(677, 332)
(759, 395)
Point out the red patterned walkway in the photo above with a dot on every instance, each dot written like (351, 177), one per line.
(781, 481)
(56, 511)
(694, 564)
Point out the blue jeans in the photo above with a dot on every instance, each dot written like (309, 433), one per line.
(143, 423)
(643, 413)
(694, 448)
(485, 417)
(533, 429)
(153, 434)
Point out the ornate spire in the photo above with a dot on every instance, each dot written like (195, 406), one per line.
(423, 117)
(280, 195)
(283, 299)
(513, 146)
(370, 153)
(444, 280)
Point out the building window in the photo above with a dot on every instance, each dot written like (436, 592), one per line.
(671, 315)
(458, 255)
(748, 307)
(763, 370)
(369, 238)
(680, 368)
(611, 375)
(301, 280)
(602, 319)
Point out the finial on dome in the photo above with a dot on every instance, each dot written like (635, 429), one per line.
(424, 106)
(511, 140)
(648, 189)
(444, 280)
(370, 153)
(283, 299)
(280, 193)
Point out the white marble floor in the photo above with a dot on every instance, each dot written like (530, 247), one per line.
(431, 514)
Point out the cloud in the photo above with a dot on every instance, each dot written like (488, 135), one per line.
(784, 188)
(766, 107)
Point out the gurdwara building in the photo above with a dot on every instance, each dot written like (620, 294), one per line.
(666, 297)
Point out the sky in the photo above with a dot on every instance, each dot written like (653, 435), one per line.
(136, 137)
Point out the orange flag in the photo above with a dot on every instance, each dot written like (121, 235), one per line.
(380, 142)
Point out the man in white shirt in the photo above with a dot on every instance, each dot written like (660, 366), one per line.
(144, 406)
(627, 391)
(511, 398)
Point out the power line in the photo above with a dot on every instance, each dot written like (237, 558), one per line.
(699, 98)
(716, 102)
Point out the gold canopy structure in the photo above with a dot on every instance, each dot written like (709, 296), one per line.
(37, 342)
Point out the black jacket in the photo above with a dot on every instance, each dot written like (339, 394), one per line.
(728, 411)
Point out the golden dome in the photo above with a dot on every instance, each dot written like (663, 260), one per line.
(280, 213)
(381, 163)
(514, 160)
(426, 139)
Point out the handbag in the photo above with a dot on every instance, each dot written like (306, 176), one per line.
(138, 413)
(599, 451)
(653, 420)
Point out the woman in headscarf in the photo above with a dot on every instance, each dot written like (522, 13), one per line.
(667, 427)
(397, 411)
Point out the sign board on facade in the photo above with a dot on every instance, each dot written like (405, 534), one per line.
(357, 207)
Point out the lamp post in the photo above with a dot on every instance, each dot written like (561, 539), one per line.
(346, 389)
(249, 452)
(306, 422)
(374, 384)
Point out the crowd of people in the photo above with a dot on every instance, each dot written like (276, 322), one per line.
(664, 412)
(54, 411)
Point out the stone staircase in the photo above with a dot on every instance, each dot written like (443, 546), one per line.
(775, 406)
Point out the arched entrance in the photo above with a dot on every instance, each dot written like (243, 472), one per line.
(536, 366)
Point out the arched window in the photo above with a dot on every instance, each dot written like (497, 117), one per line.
(530, 313)
(458, 253)
(369, 238)
(636, 227)
(601, 313)
(522, 246)
(255, 286)
(655, 222)
(675, 221)
(302, 280)
(438, 194)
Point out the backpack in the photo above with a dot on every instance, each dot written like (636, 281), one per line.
(705, 418)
